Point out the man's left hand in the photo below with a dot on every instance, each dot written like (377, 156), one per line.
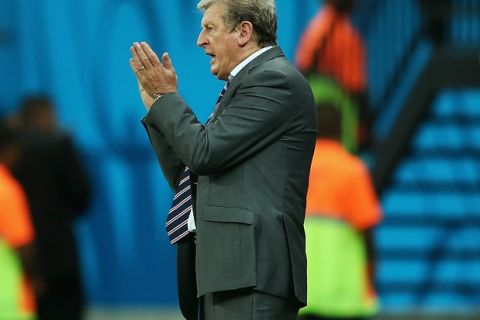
(153, 76)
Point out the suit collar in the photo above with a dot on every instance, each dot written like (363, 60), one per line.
(273, 53)
(245, 62)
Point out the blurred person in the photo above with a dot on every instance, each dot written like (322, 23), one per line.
(17, 250)
(58, 191)
(342, 208)
(436, 20)
(249, 165)
(332, 48)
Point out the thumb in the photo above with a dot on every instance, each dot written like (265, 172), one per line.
(167, 63)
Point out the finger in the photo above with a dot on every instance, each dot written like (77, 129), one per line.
(134, 67)
(152, 56)
(142, 56)
(167, 62)
(136, 58)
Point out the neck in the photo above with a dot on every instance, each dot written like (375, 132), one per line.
(247, 51)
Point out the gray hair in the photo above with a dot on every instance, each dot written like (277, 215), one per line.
(261, 13)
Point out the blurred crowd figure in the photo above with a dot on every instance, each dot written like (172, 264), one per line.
(436, 18)
(342, 208)
(331, 54)
(57, 190)
(19, 270)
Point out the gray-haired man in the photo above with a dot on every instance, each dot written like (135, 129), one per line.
(251, 162)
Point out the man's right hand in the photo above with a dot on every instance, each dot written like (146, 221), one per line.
(156, 78)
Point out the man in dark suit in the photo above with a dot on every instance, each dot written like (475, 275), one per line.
(249, 164)
(58, 191)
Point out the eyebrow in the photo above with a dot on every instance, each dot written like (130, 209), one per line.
(205, 22)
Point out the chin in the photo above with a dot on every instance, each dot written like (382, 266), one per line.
(221, 76)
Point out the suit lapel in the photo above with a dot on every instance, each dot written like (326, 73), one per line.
(273, 53)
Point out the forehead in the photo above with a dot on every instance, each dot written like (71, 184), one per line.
(214, 14)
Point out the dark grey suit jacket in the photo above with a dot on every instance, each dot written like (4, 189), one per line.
(253, 162)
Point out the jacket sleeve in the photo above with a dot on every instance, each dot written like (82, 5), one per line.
(256, 116)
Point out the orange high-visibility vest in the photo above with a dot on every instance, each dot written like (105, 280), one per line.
(336, 45)
(16, 230)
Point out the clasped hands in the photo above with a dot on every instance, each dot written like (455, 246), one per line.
(154, 77)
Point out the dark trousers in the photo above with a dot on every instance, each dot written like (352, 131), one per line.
(186, 279)
(63, 299)
(248, 304)
(242, 304)
(330, 318)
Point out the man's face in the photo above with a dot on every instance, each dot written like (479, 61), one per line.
(219, 42)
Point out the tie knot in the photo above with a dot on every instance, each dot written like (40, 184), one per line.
(222, 93)
(225, 87)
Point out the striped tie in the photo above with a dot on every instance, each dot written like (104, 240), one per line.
(177, 219)
(222, 93)
(217, 104)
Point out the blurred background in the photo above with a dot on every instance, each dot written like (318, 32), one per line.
(422, 61)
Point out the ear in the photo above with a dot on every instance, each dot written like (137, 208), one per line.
(246, 33)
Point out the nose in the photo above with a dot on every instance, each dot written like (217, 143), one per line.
(202, 40)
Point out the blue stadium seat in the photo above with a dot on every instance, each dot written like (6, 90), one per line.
(456, 102)
(414, 238)
(394, 271)
(403, 203)
(429, 243)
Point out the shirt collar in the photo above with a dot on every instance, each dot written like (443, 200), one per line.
(242, 64)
